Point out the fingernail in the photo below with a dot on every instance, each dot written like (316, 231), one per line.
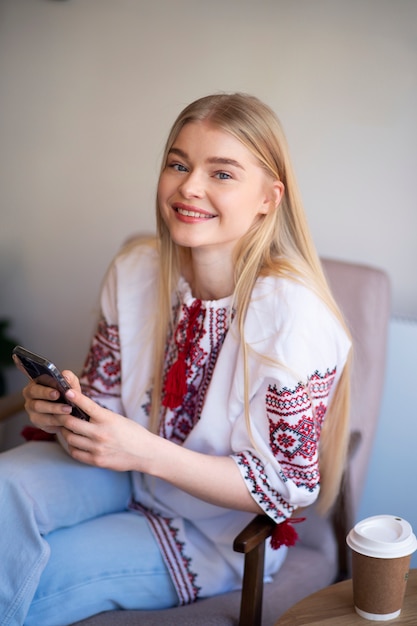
(70, 394)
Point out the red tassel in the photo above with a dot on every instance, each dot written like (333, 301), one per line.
(31, 433)
(284, 534)
(175, 383)
(176, 379)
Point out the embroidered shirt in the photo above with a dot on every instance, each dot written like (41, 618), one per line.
(200, 329)
(289, 393)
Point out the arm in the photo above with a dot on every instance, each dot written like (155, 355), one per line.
(112, 441)
(214, 479)
(115, 442)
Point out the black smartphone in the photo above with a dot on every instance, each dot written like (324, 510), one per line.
(45, 373)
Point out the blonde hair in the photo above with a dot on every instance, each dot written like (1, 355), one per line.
(279, 243)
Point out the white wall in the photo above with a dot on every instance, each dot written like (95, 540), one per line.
(89, 88)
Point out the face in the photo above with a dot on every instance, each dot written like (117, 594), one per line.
(212, 189)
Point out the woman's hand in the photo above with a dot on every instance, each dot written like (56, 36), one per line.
(108, 440)
(41, 406)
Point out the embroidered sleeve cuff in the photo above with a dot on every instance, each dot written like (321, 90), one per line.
(270, 500)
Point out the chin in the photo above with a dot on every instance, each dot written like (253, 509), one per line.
(186, 240)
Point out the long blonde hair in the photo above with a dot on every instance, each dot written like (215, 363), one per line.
(278, 244)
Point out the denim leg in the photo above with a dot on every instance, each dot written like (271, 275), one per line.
(41, 490)
(111, 562)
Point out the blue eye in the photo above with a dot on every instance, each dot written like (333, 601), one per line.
(223, 175)
(178, 167)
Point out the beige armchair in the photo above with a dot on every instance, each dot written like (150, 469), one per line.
(320, 557)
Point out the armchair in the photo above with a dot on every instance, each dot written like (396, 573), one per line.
(320, 557)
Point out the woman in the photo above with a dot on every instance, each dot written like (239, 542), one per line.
(222, 345)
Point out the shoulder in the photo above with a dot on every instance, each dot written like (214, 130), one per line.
(138, 254)
(131, 276)
(135, 265)
(287, 301)
(293, 318)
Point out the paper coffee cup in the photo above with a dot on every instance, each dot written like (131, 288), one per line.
(381, 552)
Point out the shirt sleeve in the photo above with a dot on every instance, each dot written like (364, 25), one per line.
(279, 458)
(120, 355)
(101, 375)
(283, 474)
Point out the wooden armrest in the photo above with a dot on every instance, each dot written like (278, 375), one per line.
(251, 542)
(256, 532)
(11, 404)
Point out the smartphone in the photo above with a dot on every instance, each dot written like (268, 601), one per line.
(45, 373)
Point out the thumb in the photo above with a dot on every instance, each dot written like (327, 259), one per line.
(71, 379)
(91, 408)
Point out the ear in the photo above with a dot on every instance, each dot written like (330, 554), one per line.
(278, 191)
(273, 196)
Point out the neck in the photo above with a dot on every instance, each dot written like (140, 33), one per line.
(211, 277)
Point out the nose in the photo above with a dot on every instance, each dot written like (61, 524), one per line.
(192, 185)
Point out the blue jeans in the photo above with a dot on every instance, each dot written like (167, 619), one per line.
(69, 548)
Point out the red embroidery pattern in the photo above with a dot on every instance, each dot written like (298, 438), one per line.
(185, 338)
(102, 373)
(291, 438)
(173, 552)
(201, 356)
(295, 420)
(267, 497)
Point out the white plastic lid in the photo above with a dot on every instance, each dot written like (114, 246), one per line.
(383, 536)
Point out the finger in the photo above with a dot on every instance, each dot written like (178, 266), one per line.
(80, 447)
(77, 426)
(71, 379)
(86, 404)
(45, 421)
(81, 455)
(33, 391)
(74, 438)
(54, 408)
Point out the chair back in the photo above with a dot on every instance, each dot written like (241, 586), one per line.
(363, 295)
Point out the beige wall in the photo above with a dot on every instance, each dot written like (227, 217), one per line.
(89, 88)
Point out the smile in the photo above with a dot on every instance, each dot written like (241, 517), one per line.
(195, 214)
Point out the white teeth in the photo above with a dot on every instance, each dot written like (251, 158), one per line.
(193, 214)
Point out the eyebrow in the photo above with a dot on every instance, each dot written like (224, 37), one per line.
(213, 160)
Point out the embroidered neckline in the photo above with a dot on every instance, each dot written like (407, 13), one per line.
(186, 297)
(187, 335)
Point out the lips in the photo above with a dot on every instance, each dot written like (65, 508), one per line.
(193, 212)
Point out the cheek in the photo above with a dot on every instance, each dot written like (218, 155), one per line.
(161, 200)
(166, 184)
(164, 192)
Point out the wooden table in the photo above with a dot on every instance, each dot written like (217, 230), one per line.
(334, 606)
